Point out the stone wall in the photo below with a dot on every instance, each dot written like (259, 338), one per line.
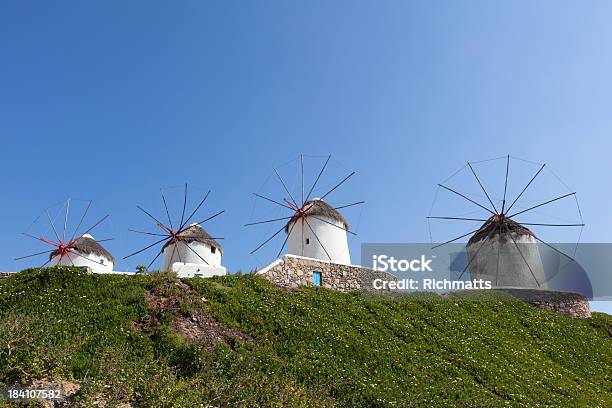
(292, 271)
(565, 303)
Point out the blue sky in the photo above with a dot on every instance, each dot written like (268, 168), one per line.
(111, 101)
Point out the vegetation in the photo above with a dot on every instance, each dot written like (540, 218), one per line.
(129, 339)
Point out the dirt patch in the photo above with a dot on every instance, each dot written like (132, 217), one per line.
(188, 319)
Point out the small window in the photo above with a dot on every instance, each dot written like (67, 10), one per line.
(307, 241)
(101, 261)
(213, 249)
(316, 278)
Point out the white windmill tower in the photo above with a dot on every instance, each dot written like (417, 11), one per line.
(69, 250)
(318, 231)
(187, 248)
(503, 250)
(314, 229)
(193, 247)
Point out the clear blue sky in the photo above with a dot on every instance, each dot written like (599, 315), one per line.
(110, 101)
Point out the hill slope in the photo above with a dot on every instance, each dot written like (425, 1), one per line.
(238, 341)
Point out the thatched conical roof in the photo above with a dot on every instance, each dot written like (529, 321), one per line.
(195, 233)
(87, 245)
(319, 208)
(499, 225)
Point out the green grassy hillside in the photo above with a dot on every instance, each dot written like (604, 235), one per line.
(238, 341)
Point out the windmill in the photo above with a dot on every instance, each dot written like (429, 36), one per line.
(313, 227)
(503, 249)
(71, 249)
(187, 248)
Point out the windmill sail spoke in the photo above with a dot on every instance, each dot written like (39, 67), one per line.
(541, 204)
(171, 255)
(194, 211)
(273, 201)
(178, 252)
(454, 239)
(159, 223)
(76, 230)
(498, 255)
(267, 240)
(338, 185)
(36, 254)
(317, 237)
(184, 205)
(505, 186)
(166, 207)
(149, 233)
(155, 259)
(482, 187)
(70, 259)
(552, 225)
(286, 239)
(46, 263)
(302, 168)
(457, 218)
(349, 205)
(467, 198)
(528, 184)
(317, 179)
(332, 224)
(66, 220)
(524, 260)
(211, 217)
(195, 252)
(470, 259)
(52, 226)
(145, 248)
(555, 249)
(84, 257)
(267, 221)
(46, 241)
(96, 224)
(285, 187)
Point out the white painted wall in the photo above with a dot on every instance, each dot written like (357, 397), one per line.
(93, 262)
(333, 239)
(513, 270)
(186, 256)
(190, 270)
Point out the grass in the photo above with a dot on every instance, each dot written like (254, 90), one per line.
(309, 347)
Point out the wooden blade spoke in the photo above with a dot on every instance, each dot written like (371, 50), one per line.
(268, 221)
(528, 184)
(482, 187)
(540, 205)
(317, 237)
(455, 239)
(317, 179)
(338, 185)
(467, 198)
(194, 211)
(145, 248)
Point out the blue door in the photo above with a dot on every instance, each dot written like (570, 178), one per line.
(316, 278)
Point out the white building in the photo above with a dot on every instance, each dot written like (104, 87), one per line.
(195, 254)
(506, 253)
(318, 232)
(84, 251)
